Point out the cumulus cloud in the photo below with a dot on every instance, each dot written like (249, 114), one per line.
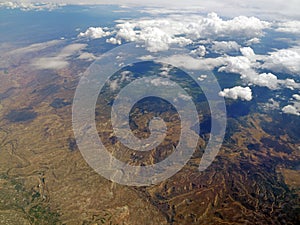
(200, 51)
(244, 93)
(268, 80)
(247, 52)
(291, 109)
(94, 33)
(159, 33)
(284, 61)
(240, 65)
(296, 97)
(113, 41)
(252, 41)
(225, 46)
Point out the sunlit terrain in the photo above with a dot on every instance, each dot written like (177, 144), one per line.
(47, 48)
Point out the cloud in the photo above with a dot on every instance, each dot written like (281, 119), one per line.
(247, 52)
(114, 85)
(225, 46)
(296, 97)
(271, 105)
(275, 9)
(252, 41)
(26, 6)
(284, 61)
(191, 63)
(268, 80)
(113, 41)
(94, 33)
(200, 51)
(165, 70)
(17, 56)
(87, 56)
(247, 65)
(289, 83)
(159, 33)
(294, 106)
(161, 82)
(267, 9)
(34, 47)
(240, 65)
(291, 109)
(50, 63)
(292, 26)
(243, 93)
(58, 61)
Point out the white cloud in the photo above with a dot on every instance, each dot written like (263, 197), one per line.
(268, 80)
(26, 6)
(190, 63)
(114, 85)
(125, 75)
(94, 33)
(252, 41)
(113, 41)
(243, 93)
(284, 61)
(246, 67)
(275, 9)
(225, 46)
(20, 55)
(291, 109)
(200, 51)
(271, 104)
(161, 82)
(50, 63)
(202, 77)
(289, 83)
(292, 26)
(34, 47)
(240, 65)
(165, 70)
(248, 52)
(87, 56)
(296, 97)
(159, 33)
(184, 97)
(58, 61)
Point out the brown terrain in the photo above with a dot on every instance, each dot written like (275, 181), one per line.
(45, 180)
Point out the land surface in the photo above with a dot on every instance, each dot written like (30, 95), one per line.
(45, 180)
